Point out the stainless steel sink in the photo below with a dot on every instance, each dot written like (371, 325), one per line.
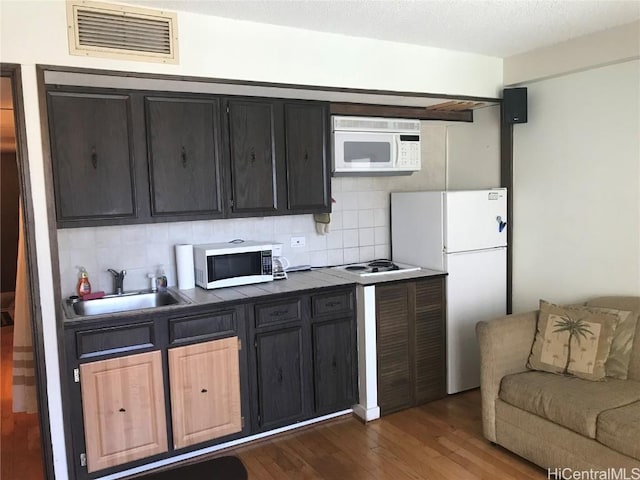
(125, 302)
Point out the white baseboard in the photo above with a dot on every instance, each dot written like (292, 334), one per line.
(366, 414)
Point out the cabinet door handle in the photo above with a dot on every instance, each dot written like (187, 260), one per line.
(184, 158)
(253, 156)
(280, 375)
(94, 158)
(333, 304)
(278, 313)
(122, 410)
(306, 155)
(334, 364)
(204, 390)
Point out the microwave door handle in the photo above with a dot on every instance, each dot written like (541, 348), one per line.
(396, 152)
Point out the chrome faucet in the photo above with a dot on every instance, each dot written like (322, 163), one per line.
(118, 280)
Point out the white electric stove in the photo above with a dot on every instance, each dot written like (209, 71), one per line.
(376, 267)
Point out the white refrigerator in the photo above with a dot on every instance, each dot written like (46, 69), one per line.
(464, 234)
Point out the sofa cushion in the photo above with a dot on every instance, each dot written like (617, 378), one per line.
(617, 364)
(572, 341)
(631, 304)
(571, 402)
(619, 429)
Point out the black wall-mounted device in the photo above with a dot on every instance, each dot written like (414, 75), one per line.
(514, 105)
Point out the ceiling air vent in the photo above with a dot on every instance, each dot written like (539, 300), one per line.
(118, 31)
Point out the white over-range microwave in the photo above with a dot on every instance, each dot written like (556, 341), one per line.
(231, 264)
(371, 145)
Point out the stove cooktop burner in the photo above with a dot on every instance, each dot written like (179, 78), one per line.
(382, 263)
(355, 268)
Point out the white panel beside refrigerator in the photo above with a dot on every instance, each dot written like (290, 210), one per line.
(463, 233)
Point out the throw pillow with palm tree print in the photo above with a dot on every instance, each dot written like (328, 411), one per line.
(572, 341)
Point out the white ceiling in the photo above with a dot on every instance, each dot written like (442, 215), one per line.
(498, 28)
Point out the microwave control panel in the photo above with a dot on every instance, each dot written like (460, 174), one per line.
(409, 152)
(267, 262)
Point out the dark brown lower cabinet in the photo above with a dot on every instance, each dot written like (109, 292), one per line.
(411, 343)
(305, 357)
(281, 377)
(334, 364)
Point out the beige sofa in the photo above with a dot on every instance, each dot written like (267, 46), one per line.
(553, 420)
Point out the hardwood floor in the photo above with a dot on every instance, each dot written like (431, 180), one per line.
(441, 440)
(20, 451)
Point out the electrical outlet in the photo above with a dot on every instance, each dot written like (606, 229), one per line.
(298, 241)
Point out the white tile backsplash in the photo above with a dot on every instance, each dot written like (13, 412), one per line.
(365, 218)
(335, 257)
(359, 230)
(133, 234)
(334, 239)
(381, 217)
(381, 235)
(366, 254)
(351, 255)
(350, 238)
(336, 221)
(366, 237)
(350, 219)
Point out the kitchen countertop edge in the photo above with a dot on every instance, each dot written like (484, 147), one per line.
(298, 282)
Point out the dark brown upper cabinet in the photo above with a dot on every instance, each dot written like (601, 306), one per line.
(183, 147)
(93, 162)
(130, 156)
(279, 157)
(307, 157)
(252, 152)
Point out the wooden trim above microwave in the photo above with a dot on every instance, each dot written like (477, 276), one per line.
(393, 111)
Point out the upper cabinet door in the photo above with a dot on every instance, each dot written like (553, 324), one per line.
(253, 156)
(307, 152)
(93, 164)
(183, 149)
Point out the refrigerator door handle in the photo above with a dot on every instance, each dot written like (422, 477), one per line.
(501, 224)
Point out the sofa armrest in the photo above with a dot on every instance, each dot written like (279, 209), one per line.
(505, 344)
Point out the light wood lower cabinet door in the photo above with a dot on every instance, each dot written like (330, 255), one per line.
(124, 409)
(205, 391)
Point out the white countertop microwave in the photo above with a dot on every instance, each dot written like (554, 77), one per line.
(371, 145)
(231, 264)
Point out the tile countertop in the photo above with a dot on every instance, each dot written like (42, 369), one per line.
(296, 282)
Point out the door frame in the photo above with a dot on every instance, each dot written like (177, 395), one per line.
(13, 71)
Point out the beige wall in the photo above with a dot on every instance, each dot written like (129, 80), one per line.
(473, 151)
(577, 188)
(614, 45)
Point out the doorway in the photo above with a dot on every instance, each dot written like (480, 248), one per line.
(21, 455)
